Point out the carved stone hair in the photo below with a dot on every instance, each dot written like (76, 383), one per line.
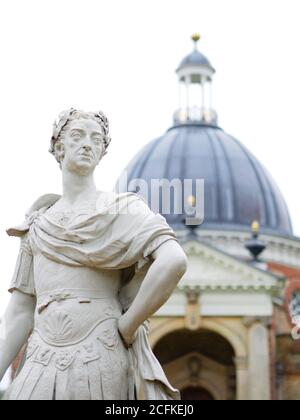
(61, 125)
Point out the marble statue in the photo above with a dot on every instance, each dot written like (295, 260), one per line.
(93, 267)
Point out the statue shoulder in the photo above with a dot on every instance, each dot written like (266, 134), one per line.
(131, 195)
(45, 200)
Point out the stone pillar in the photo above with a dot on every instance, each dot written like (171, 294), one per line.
(241, 364)
(259, 363)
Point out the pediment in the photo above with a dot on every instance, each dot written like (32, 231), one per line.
(209, 267)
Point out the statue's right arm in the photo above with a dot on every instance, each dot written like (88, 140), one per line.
(15, 328)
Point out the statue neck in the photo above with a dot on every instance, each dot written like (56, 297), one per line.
(77, 188)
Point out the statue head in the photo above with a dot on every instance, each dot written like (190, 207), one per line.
(80, 140)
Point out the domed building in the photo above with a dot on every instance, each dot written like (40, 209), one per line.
(227, 331)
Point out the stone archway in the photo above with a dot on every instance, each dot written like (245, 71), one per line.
(162, 327)
(233, 330)
(199, 363)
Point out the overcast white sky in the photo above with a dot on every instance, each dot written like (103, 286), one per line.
(120, 56)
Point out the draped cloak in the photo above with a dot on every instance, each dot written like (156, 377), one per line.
(121, 233)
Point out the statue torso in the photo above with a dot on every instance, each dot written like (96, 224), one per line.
(72, 301)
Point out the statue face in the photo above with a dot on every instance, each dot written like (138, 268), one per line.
(83, 146)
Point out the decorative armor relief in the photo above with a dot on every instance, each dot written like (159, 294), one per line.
(59, 326)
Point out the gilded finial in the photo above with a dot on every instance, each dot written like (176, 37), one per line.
(191, 200)
(255, 227)
(255, 245)
(196, 38)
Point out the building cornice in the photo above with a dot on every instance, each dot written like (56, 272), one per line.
(280, 250)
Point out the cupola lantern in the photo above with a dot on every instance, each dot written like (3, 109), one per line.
(195, 75)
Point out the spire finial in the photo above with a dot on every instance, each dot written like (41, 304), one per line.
(255, 245)
(255, 227)
(191, 200)
(196, 38)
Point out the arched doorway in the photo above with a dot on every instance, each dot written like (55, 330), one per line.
(199, 363)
